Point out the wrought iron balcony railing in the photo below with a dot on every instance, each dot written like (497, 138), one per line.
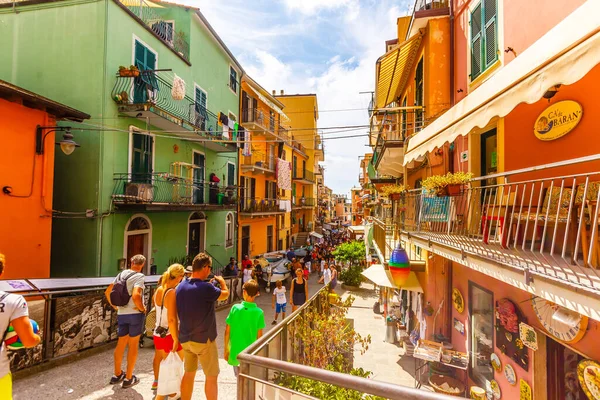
(283, 133)
(259, 159)
(259, 117)
(164, 188)
(422, 5)
(304, 175)
(164, 29)
(547, 225)
(151, 90)
(259, 205)
(304, 202)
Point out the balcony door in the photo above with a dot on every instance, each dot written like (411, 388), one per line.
(145, 84)
(196, 234)
(200, 108)
(245, 241)
(199, 177)
(489, 156)
(142, 159)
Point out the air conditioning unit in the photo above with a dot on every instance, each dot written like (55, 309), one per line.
(140, 191)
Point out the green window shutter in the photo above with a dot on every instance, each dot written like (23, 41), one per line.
(490, 15)
(476, 39)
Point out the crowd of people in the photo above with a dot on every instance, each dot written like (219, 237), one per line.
(184, 306)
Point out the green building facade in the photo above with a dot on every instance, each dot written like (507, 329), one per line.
(141, 180)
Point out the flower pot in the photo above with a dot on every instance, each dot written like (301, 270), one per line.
(442, 192)
(129, 73)
(395, 196)
(348, 287)
(454, 190)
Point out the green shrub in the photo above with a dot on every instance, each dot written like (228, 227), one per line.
(352, 276)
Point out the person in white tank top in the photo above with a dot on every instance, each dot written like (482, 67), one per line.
(163, 340)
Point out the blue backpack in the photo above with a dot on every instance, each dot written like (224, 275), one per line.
(119, 295)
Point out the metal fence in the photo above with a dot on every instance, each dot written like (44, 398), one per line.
(165, 188)
(547, 225)
(305, 174)
(251, 205)
(276, 353)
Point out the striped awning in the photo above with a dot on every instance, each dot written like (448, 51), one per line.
(393, 69)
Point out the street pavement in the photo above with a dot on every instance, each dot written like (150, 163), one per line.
(87, 378)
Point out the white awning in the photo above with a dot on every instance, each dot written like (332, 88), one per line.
(564, 55)
(357, 228)
(377, 274)
(317, 235)
(269, 103)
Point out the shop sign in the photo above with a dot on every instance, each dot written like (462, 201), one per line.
(558, 120)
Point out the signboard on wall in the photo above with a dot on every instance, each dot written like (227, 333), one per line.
(558, 120)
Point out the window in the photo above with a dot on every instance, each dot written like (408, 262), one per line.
(481, 309)
(233, 79)
(201, 117)
(146, 86)
(419, 96)
(142, 160)
(230, 174)
(229, 230)
(164, 30)
(484, 40)
(269, 238)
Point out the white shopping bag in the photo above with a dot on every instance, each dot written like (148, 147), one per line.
(170, 375)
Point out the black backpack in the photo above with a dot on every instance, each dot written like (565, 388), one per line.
(119, 295)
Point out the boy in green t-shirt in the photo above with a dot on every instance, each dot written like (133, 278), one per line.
(245, 324)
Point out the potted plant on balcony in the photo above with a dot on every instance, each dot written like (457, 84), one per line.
(132, 71)
(393, 191)
(450, 184)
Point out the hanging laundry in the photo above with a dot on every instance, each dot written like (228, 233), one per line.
(247, 148)
(234, 135)
(223, 119)
(284, 174)
(225, 132)
(178, 90)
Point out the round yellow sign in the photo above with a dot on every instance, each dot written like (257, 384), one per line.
(558, 120)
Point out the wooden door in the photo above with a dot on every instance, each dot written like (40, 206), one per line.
(245, 240)
(196, 238)
(135, 245)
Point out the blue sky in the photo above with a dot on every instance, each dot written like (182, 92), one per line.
(328, 47)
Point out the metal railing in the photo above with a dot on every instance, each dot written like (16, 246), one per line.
(259, 159)
(546, 224)
(165, 188)
(251, 205)
(259, 117)
(278, 352)
(163, 29)
(300, 147)
(283, 133)
(153, 89)
(307, 175)
(304, 202)
(421, 5)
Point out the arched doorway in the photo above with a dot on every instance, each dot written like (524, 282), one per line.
(138, 239)
(196, 234)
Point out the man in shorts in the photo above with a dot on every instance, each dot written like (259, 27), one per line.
(15, 313)
(193, 315)
(130, 320)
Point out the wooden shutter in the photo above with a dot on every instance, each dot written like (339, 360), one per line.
(490, 16)
(476, 39)
(230, 175)
(243, 193)
(253, 187)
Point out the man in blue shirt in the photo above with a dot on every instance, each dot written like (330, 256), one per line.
(290, 255)
(193, 323)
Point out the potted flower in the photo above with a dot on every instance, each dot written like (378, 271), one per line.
(393, 191)
(447, 185)
(132, 71)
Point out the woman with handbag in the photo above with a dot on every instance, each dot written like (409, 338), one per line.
(163, 341)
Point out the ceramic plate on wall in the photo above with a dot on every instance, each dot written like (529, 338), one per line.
(588, 372)
(509, 373)
(495, 360)
(458, 301)
(495, 389)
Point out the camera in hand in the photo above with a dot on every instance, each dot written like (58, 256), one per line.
(161, 331)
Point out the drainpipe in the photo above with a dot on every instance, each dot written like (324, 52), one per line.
(452, 99)
(239, 174)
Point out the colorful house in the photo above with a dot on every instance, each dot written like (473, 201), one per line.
(512, 256)
(30, 135)
(157, 170)
(303, 113)
(264, 202)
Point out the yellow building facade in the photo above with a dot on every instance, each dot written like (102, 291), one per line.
(307, 151)
(262, 212)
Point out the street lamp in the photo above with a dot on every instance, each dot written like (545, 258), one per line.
(67, 144)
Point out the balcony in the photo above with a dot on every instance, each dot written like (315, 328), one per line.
(259, 207)
(165, 192)
(307, 177)
(283, 134)
(147, 97)
(258, 163)
(148, 14)
(535, 229)
(303, 202)
(258, 120)
(299, 148)
(388, 154)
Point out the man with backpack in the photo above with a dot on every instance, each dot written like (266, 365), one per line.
(126, 295)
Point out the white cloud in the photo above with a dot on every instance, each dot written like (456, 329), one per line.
(328, 47)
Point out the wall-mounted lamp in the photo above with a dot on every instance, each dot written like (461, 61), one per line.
(67, 144)
(459, 90)
(510, 50)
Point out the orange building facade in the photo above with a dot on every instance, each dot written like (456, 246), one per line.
(27, 178)
(516, 108)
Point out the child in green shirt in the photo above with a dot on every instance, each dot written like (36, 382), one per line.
(245, 324)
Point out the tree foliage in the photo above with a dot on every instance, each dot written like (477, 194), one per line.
(350, 252)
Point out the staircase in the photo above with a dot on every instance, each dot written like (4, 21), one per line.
(301, 239)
